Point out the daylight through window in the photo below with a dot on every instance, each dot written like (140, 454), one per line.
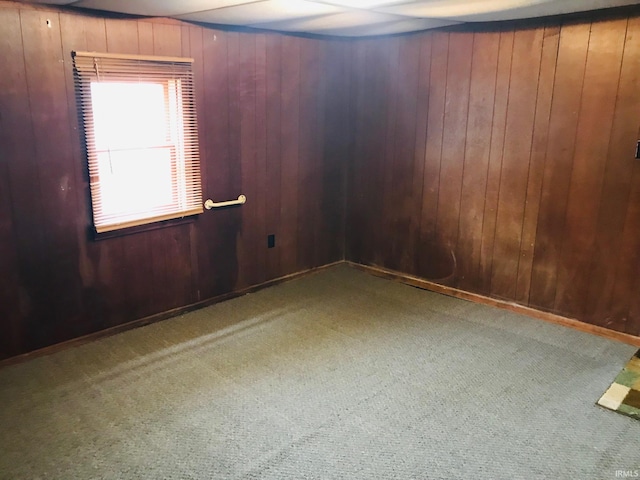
(141, 138)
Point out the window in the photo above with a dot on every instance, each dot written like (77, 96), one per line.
(141, 137)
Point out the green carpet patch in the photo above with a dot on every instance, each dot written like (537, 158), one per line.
(623, 396)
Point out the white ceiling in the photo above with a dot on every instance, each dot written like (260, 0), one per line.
(344, 17)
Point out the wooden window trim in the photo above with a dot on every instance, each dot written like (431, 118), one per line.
(185, 182)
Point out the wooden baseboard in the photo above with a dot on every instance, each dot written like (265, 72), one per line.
(157, 317)
(514, 307)
(377, 271)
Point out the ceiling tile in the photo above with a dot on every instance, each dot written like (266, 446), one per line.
(496, 10)
(401, 26)
(363, 4)
(456, 8)
(344, 17)
(52, 2)
(547, 9)
(352, 18)
(263, 12)
(157, 8)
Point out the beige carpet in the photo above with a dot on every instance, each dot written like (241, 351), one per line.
(335, 375)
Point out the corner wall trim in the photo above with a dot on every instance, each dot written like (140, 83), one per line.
(513, 307)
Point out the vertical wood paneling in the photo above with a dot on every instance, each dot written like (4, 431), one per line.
(387, 197)
(81, 33)
(146, 35)
(417, 186)
(523, 88)
(338, 128)
(218, 272)
(246, 82)
(496, 148)
(290, 139)
(323, 234)
(360, 103)
(476, 163)
(624, 301)
(430, 260)
(273, 149)
(456, 115)
(45, 81)
(601, 78)
(307, 193)
(9, 280)
(537, 161)
(318, 93)
(259, 269)
(401, 200)
(373, 124)
(108, 296)
(19, 249)
(565, 111)
(601, 305)
(500, 162)
(379, 72)
(230, 185)
(524, 141)
(59, 283)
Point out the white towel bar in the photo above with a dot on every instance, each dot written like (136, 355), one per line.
(209, 204)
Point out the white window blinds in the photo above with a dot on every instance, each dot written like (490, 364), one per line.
(140, 128)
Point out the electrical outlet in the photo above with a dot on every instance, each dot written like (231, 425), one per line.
(271, 241)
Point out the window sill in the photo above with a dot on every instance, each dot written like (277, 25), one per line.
(174, 222)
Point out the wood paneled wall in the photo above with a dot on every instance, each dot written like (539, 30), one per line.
(501, 162)
(272, 113)
(498, 161)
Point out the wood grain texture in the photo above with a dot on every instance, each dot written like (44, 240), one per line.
(19, 251)
(456, 116)
(565, 113)
(496, 150)
(272, 185)
(525, 136)
(243, 84)
(431, 262)
(516, 154)
(402, 199)
(380, 65)
(611, 281)
(496, 160)
(356, 211)
(261, 123)
(601, 80)
(414, 198)
(49, 112)
(388, 196)
(476, 157)
(335, 152)
(308, 193)
(537, 161)
(290, 144)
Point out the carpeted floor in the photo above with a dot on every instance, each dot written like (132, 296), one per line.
(334, 375)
